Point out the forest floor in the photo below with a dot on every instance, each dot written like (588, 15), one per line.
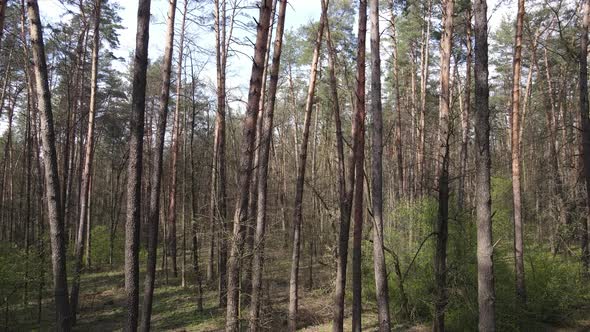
(103, 300)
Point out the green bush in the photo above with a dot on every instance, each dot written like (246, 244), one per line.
(557, 295)
(101, 247)
(21, 274)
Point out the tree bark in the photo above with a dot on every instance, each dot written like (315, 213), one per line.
(156, 175)
(401, 190)
(515, 157)
(52, 192)
(194, 197)
(245, 171)
(134, 165)
(263, 161)
(344, 192)
(300, 181)
(174, 150)
(485, 264)
(218, 203)
(381, 286)
(87, 169)
(250, 226)
(357, 211)
(585, 121)
(466, 113)
(3, 6)
(558, 190)
(440, 256)
(424, 63)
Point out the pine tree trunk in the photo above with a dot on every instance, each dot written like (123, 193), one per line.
(300, 181)
(465, 114)
(551, 116)
(172, 239)
(52, 192)
(250, 226)
(156, 173)
(87, 246)
(381, 287)
(442, 158)
(357, 211)
(424, 63)
(194, 197)
(263, 163)
(401, 184)
(218, 204)
(485, 265)
(134, 165)
(344, 193)
(87, 169)
(585, 121)
(74, 109)
(3, 6)
(515, 156)
(245, 171)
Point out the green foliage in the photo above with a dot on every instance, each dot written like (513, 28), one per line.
(557, 295)
(556, 291)
(21, 274)
(101, 246)
(415, 223)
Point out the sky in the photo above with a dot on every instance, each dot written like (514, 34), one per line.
(299, 12)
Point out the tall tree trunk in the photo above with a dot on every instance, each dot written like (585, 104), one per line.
(424, 63)
(263, 161)
(398, 130)
(134, 165)
(6, 81)
(300, 181)
(246, 161)
(52, 192)
(585, 121)
(6, 180)
(3, 6)
(174, 151)
(75, 103)
(185, 179)
(558, 190)
(344, 192)
(359, 170)
(485, 249)
(87, 169)
(440, 256)
(87, 246)
(194, 197)
(466, 113)
(218, 204)
(381, 287)
(250, 226)
(515, 156)
(156, 175)
(30, 236)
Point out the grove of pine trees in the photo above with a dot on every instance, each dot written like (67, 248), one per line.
(387, 165)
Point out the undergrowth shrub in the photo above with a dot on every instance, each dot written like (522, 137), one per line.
(556, 293)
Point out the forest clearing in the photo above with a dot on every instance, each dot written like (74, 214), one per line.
(303, 165)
